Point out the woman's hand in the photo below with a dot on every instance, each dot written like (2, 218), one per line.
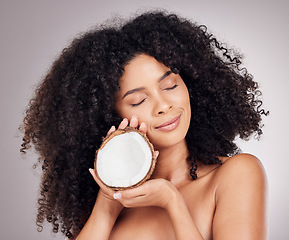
(105, 195)
(155, 192)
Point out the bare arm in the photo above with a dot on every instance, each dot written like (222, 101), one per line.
(106, 209)
(102, 219)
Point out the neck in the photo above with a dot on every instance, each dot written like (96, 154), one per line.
(172, 164)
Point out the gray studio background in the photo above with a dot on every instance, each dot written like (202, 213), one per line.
(34, 32)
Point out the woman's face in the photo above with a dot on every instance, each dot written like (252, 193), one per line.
(158, 97)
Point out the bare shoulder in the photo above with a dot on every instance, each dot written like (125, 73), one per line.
(243, 173)
(241, 166)
(243, 158)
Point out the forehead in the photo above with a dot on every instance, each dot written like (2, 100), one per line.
(142, 69)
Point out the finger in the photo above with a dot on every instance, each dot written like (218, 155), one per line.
(133, 193)
(123, 123)
(133, 122)
(132, 198)
(111, 130)
(128, 194)
(148, 187)
(143, 127)
(156, 154)
(135, 202)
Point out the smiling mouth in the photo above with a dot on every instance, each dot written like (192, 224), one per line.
(169, 125)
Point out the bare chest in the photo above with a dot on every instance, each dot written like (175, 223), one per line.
(143, 223)
(154, 223)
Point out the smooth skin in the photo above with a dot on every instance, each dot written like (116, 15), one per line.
(225, 202)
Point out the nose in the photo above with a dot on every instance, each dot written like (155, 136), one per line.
(162, 105)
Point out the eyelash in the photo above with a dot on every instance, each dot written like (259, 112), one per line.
(173, 87)
(137, 104)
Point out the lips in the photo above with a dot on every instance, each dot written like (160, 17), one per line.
(169, 125)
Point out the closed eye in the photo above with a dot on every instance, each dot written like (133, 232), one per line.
(171, 88)
(139, 103)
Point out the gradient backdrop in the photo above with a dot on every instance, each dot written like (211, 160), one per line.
(34, 32)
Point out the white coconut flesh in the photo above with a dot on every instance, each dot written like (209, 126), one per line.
(124, 161)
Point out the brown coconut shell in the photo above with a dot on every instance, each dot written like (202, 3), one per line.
(119, 132)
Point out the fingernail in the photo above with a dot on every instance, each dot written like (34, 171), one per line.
(112, 128)
(133, 121)
(157, 154)
(117, 195)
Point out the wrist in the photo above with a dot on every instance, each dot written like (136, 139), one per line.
(102, 219)
(108, 208)
(173, 198)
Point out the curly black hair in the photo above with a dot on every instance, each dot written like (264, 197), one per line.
(73, 106)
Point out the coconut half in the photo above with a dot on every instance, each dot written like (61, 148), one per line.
(125, 159)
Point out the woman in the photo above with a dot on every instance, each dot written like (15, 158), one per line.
(176, 83)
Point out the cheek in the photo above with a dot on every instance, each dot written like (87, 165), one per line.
(143, 114)
(186, 95)
(184, 102)
(125, 111)
(182, 98)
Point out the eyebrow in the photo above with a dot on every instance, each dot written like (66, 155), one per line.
(165, 75)
(141, 88)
